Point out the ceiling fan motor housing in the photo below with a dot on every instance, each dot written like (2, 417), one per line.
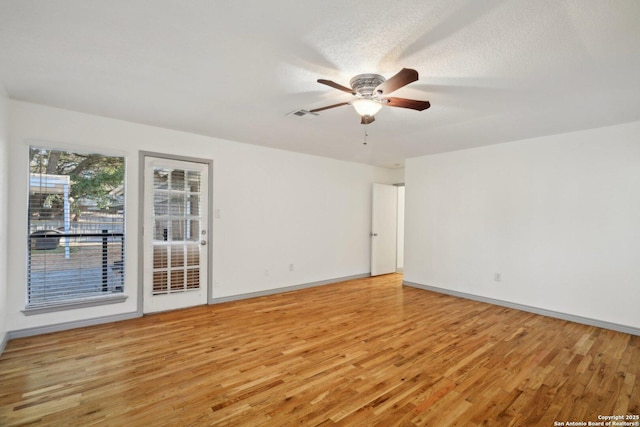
(365, 84)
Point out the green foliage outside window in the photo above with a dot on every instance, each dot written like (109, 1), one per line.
(93, 176)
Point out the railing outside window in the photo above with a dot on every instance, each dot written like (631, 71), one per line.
(67, 266)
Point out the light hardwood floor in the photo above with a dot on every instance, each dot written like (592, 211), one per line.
(363, 352)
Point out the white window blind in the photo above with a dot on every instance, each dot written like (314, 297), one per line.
(176, 234)
(76, 227)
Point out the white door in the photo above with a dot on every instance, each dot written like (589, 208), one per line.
(175, 234)
(383, 229)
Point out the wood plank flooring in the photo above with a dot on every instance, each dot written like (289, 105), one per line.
(366, 352)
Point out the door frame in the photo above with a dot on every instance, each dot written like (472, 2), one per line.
(399, 227)
(142, 155)
(377, 213)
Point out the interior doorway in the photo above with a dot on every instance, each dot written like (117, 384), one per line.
(400, 232)
(387, 229)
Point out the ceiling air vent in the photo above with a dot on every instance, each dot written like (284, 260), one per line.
(302, 113)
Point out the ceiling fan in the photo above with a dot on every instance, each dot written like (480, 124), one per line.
(371, 91)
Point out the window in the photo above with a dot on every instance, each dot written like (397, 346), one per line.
(76, 228)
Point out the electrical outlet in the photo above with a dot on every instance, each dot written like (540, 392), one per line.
(290, 267)
(497, 277)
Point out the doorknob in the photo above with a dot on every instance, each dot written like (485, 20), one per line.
(203, 242)
(374, 234)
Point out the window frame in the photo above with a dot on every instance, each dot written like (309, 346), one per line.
(77, 301)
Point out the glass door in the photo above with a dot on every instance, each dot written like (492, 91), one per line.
(175, 234)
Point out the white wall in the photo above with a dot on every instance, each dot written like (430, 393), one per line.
(276, 207)
(4, 188)
(558, 217)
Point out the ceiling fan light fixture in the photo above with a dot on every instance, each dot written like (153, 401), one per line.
(366, 107)
(371, 93)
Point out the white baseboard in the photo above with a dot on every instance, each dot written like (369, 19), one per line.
(536, 310)
(286, 289)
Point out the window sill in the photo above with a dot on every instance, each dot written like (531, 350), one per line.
(74, 304)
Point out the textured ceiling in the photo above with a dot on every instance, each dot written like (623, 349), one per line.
(494, 71)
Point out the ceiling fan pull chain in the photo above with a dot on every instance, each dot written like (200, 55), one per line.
(365, 136)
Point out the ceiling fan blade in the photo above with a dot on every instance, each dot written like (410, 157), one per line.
(336, 86)
(366, 120)
(407, 103)
(403, 78)
(328, 106)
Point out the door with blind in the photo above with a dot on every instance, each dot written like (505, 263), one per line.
(175, 235)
